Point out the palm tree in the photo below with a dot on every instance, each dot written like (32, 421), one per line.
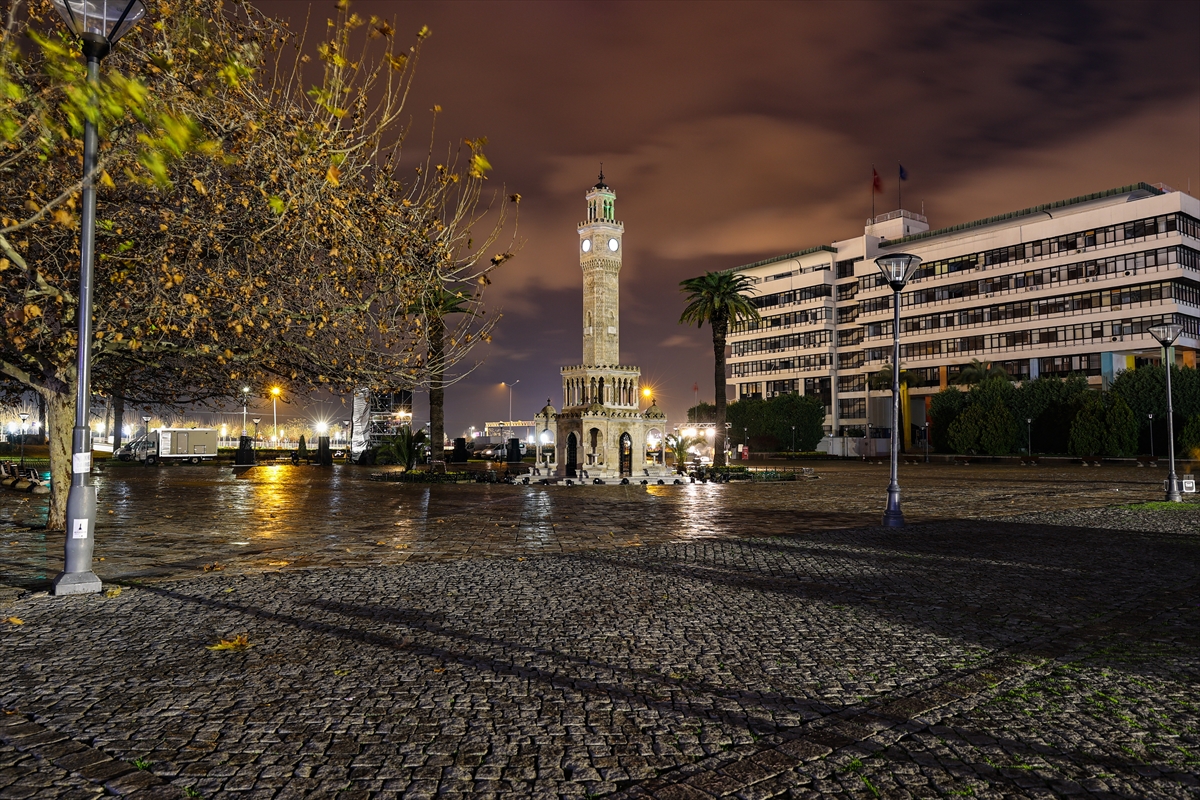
(979, 371)
(402, 448)
(679, 446)
(882, 380)
(435, 306)
(718, 298)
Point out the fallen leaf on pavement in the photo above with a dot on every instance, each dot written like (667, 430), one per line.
(215, 566)
(15, 621)
(239, 642)
(112, 591)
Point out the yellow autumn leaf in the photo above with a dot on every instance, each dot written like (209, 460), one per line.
(106, 179)
(198, 186)
(332, 174)
(112, 591)
(239, 642)
(15, 621)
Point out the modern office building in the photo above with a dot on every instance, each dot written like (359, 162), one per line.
(1067, 287)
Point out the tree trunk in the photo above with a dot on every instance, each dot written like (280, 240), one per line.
(437, 391)
(118, 401)
(60, 423)
(719, 329)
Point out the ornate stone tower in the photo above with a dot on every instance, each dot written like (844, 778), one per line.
(600, 259)
(601, 432)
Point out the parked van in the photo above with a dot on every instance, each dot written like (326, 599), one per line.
(190, 445)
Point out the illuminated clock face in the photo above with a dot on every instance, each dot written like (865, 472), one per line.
(613, 245)
(587, 245)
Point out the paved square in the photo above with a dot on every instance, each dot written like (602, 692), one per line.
(735, 649)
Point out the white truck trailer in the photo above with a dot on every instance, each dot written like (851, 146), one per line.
(190, 445)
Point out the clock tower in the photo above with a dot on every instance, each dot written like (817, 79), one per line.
(602, 432)
(600, 259)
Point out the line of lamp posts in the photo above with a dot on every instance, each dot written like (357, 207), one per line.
(99, 26)
(898, 269)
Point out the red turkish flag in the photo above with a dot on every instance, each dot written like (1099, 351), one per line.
(876, 182)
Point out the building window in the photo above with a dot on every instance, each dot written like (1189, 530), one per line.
(852, 383)
(855, 408)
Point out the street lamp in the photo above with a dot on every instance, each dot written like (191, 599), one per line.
(1166, 336)
(256, 420)
(24, 418)
(793, 439)
(245, 404)
(509, 385)
(274, 417)
(346, 432)
(99, 26)
(896, 269)
(1150, 416)
(1029, 436)
(146, 424)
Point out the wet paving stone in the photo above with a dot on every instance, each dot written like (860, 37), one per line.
(721, 641)
(177, 520)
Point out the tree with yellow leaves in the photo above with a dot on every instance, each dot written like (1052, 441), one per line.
(251, 228)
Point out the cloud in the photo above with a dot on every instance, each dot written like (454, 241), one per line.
(679, 340)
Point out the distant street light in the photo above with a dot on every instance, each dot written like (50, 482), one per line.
(274, 417)
(146, 423)
(1029, 436)
(793, 438)
(347, 432)
(99, 26)
(1151, 418)
(896, 269)
(24, 417)
(256, 420)
(1166, 336)
(245, 403)
(510, 388)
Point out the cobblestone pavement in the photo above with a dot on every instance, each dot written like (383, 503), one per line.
(959, 658)
(952, 659)
(174, 521)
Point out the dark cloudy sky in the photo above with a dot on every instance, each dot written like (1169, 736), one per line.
(736, 131)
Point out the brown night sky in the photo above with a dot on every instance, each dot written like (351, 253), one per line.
(736, 131)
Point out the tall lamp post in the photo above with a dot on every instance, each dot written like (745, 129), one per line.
(245, 405)
(274, 416)
(1150, 416)
(99, 26)
(510, 387)
(1029, 436)
(256, 420)
(24, 416)
(897, 269)
(1166, 336)
(146, 425)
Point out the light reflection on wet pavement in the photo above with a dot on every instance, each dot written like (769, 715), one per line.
(174, 521)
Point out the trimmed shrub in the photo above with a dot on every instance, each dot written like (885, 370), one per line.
(1189, 438)
(998, 430)
(944, 408)
(1121, 436)
(1088, 427)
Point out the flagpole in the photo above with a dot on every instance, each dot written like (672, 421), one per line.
(899, 181)
(872, 194)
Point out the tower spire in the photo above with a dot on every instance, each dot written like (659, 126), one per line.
(601, 184)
